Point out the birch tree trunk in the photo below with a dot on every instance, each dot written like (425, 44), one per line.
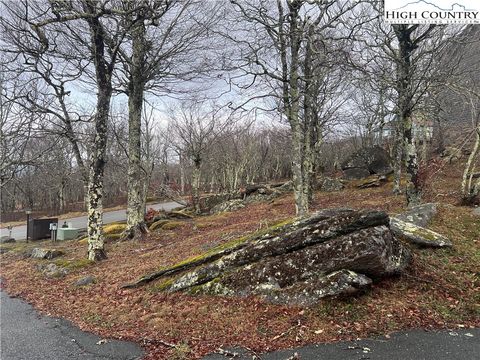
(96, 249)
(103, 71)
(291, 103)
(405, 107)
(136, 196)
(196, 185)
(471, 190)
(397, 157)
(182, 174)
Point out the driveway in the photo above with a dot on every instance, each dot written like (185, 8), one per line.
(26, 335)
(20, 232)
(463, 344)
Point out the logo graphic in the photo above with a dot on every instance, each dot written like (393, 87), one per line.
(432, 11)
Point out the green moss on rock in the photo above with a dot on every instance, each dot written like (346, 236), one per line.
(73, 264)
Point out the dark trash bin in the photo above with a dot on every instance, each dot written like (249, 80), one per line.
(40, 228)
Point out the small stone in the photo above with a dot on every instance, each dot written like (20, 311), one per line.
(230, 205)
(84, 281)
(6, 240)
(48, 254)
(51, 270)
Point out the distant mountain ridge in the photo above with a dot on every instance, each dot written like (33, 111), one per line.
(434, 5)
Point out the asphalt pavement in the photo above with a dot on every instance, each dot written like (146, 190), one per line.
(463, 344)
(20, 232)
(26, 335)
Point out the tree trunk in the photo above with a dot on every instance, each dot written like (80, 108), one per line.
(103, 71)
(291, 102)
(136, 226)
(469, 190)
(405, 107)
(196, 185)
(397, 157)
(411, 163)
(182, 175)
(96, 250)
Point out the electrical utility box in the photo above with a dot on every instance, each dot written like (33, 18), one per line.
(40, 228)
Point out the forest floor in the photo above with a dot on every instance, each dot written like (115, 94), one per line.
(441, 288)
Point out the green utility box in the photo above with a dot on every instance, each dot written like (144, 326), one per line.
(67, 233)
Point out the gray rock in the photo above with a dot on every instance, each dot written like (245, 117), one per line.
(341, 283)
(52, 270)
(293, 262)
(230, 205)
(330, 184)
(367, 161)
(476, 211)
(418, 235)
(38, 253)
(84, 281)
(355, 173)
(372, 181)
(420, 215)
(6, 240)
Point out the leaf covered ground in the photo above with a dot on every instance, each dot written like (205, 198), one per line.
(440, 289)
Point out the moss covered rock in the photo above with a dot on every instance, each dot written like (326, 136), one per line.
(331, 253)
(418, 235)
(115, 228)
(158, 224)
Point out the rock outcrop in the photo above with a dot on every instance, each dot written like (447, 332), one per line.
(328, 184)
(331, 253)
(420, 215)
(248, 194)
(365, 162)
(418, 235)
(411, 226)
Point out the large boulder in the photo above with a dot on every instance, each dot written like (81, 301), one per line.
(331, 253)
(367, 161)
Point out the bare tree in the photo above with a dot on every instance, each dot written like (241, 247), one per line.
(90, 17)
(196, 126)
(290, 47)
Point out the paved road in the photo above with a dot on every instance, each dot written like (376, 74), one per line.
(25, 335)
(20, 232)
(411, 345)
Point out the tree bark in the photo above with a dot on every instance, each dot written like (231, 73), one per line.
(405, 107)
(196, 185)
(469, 189)
(397, 157)
(136, 226)
(103, 71)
